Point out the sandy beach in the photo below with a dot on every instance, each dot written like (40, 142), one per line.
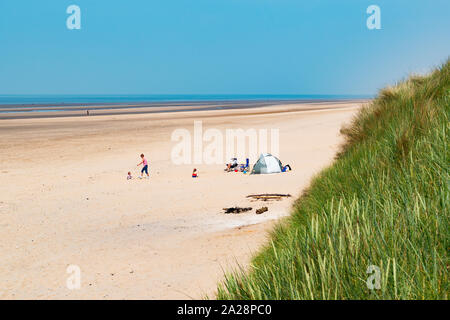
(65, 200)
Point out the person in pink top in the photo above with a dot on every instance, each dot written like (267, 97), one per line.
(145, 164)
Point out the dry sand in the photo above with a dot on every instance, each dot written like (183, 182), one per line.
(65, 200)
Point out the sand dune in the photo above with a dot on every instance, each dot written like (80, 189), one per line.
(65, 200)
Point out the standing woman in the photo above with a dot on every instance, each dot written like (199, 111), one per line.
(145, 168)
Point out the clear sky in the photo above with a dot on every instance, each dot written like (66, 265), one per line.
(217, 46)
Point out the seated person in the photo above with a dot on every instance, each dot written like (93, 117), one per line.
(233, 164)
(285, 168)
(194, 173)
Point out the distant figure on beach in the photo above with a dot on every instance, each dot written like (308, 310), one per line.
(194, 173)
(129, 177)
(87, 112)
(145, 168)
(232, 164)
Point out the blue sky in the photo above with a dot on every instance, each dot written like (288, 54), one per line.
(217, 46)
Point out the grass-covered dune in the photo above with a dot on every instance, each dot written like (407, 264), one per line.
(384, 202)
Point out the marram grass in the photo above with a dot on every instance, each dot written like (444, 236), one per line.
(384, 203)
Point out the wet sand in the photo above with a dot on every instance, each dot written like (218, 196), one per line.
(32, 111)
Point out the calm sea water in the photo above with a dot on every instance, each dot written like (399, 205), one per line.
(122, 99)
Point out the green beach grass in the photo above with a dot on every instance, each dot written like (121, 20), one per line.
(384, 202)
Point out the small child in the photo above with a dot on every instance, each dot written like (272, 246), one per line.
(194, 173)
(129, 177)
